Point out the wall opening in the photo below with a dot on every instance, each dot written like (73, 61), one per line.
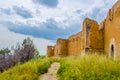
(88, 27)
(112, 51)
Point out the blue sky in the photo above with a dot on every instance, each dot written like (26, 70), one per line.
(46, 20)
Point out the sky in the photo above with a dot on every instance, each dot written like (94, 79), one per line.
(46, 20)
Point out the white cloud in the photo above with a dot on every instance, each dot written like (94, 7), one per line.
(64, 12)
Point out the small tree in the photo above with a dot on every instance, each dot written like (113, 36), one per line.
(36, 53)
(19, 54)
(4, 59)
(4, 51)
(25, 52)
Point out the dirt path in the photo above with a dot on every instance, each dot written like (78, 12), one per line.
(52, 71)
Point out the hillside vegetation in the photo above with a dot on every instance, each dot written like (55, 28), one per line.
(92, 67)
(29, 71)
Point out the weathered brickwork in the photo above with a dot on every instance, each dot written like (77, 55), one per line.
(61, 48)
(92, 37)
(74, 44)
(112, 32)
(103, 38)
(50, 51)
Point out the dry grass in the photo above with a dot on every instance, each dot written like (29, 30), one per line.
(93, 67)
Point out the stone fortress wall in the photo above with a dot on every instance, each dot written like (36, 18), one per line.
(103, 38)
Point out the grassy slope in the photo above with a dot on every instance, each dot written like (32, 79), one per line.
(72, 68)
(89, 68)
(29, 71)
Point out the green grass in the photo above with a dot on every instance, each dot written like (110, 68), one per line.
(92, 67)
(29, 71)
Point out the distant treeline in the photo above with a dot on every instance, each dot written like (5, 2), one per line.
(17, 55)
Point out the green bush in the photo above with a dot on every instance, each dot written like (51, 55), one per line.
(43, 68)
(92, 67)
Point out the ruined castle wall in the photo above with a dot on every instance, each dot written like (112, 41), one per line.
(95, 38)
(83, 38)
(79, 45)
(92, 37)
(50, 51)
(112, 30)
(74, 44)
(61, 48)
(56, 50)
(71, 45)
